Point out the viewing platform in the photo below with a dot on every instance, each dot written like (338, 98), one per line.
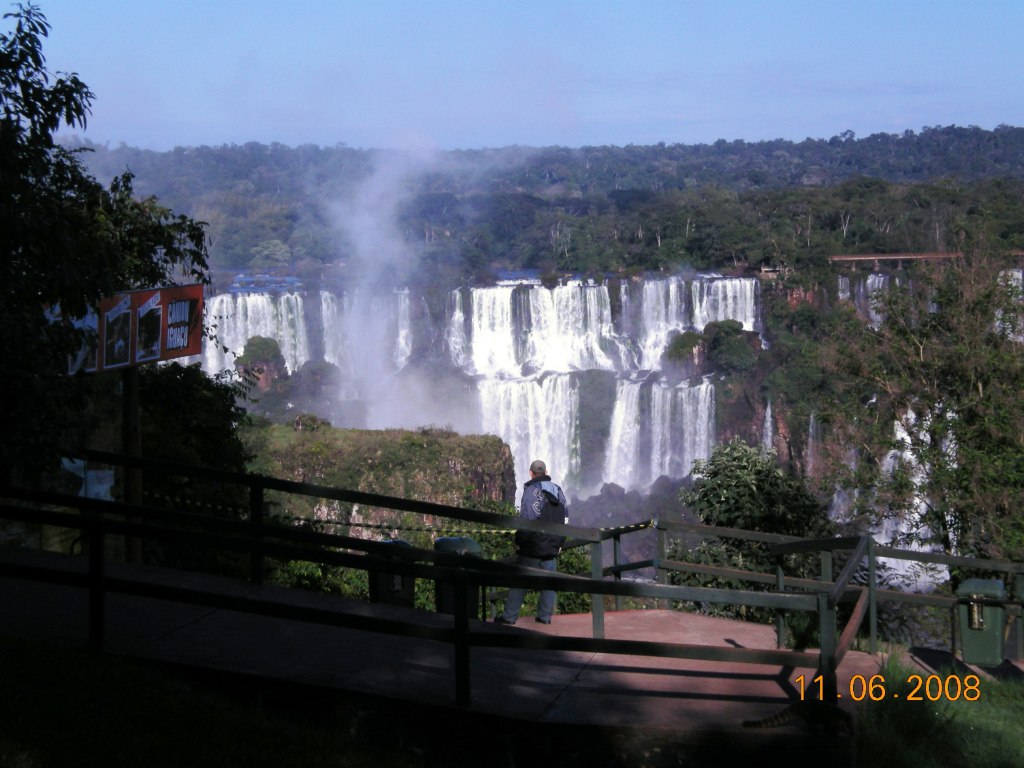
(641, 700)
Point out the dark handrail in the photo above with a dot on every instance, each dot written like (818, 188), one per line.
(252, 480)
(261, 539)
(100, 518)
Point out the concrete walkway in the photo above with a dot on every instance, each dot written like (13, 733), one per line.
(685, 700)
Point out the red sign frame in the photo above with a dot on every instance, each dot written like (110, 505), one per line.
(146, 326)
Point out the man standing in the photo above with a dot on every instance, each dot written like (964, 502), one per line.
(542, 500)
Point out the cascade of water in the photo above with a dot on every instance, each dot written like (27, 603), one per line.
(239, 317)
(493, 342)
(843, 288)
(813, 441)
(867, 296)
(622, 455)
(689, 432)
(893, 530)
(403, 333)
(336, 342)
(568, 325)
(518, 329)
(768, 429)
(657, 429)
(1013, 279)
(455, 334)
(727, 298)
(527, 348)
(538, 417)
(662, 312)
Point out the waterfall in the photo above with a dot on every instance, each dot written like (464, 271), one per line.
(538, 418)
(403, 330)
(240, 316)
(520, 329)
(893, 530)
(690, 430)
(455, 333)
(768, 429)
(666, 307)
(657, 429)
(662, 312)
(843, 288)
(813, 441)
(1013, 281)
(520, 357)
(568, 325)
(493, 341)
(368, 336)
(866, 296)
(729, 298)
(622, 456)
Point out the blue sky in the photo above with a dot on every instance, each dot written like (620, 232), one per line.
(466, 75)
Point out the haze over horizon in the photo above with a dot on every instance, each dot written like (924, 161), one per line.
(451, 75)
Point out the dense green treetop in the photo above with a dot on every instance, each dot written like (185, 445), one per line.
(740, 486)
(65, 242)
(597, 209)
(927, 402)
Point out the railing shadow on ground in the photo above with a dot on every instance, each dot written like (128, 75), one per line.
(467, 578)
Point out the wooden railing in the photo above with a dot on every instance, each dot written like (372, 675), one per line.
(260, 539)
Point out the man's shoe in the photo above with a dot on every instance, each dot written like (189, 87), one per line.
(539, 620)
(499, 619)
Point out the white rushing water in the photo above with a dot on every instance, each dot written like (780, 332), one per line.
(240, 317)
(522, 347)
(538, 417)
(658, 430)
(662, 311)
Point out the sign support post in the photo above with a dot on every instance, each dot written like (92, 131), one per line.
(131, 445)
(133, 328)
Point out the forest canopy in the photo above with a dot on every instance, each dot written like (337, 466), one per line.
(467, 214)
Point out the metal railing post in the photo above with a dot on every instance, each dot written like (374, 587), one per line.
(460, 589)
(661, 548)
(617, 561)
(256, 507)
(872, 598)
(97, 595)
(1018, 595)
(827, 659)
(780, 623)
(597, 599)
(826, 565)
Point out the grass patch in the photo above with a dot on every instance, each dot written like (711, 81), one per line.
(897, 733)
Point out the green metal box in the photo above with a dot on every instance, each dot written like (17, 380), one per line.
(982, 616)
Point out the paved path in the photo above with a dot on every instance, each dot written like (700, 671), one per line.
(683, 698)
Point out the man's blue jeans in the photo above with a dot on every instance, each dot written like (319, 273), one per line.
(514, 601)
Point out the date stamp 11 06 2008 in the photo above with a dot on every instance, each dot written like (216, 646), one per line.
(912, 688)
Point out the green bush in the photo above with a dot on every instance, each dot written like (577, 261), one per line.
(728, 348)
(744, 487)
(261, 350)
(680, 346)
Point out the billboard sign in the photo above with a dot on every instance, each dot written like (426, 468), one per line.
(136, 327)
